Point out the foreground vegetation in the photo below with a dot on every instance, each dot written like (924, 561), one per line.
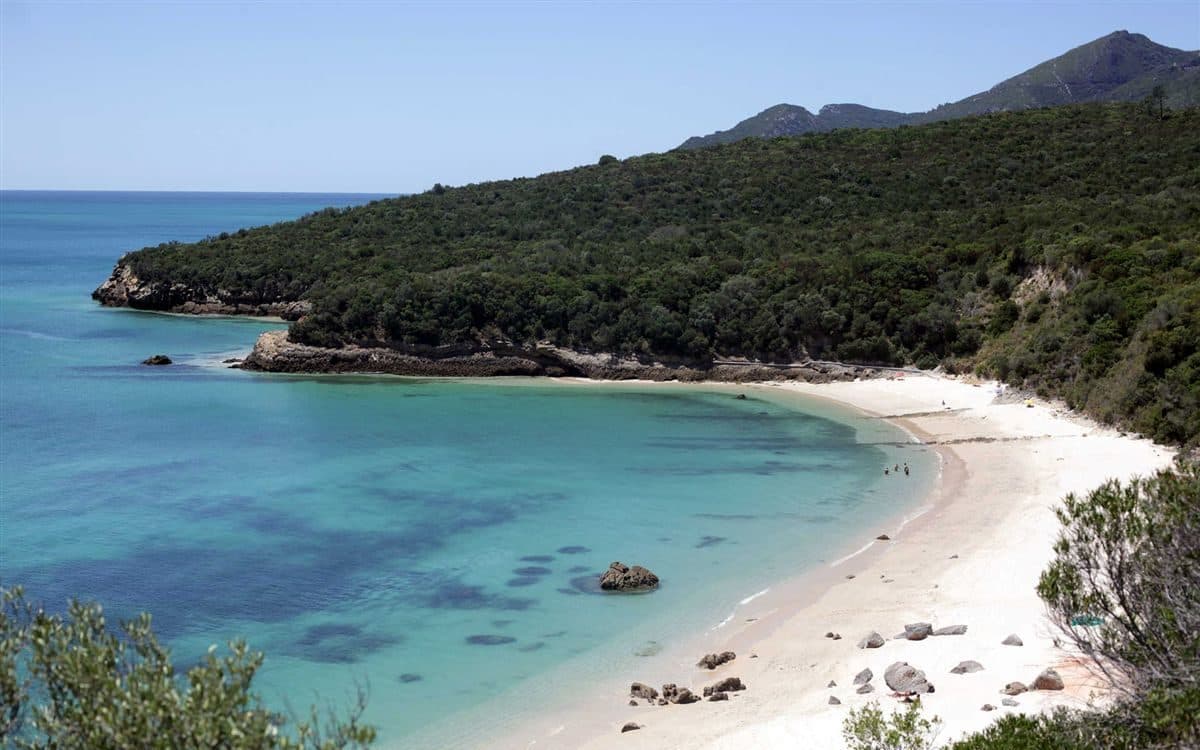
(71, 682)
(1057, 249)
(1124, 589)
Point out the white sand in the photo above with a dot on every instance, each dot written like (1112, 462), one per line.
(993, 509)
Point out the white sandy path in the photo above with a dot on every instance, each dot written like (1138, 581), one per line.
(994, 511)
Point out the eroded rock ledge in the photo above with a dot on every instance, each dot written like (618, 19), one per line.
(124, 289)
(273, 352)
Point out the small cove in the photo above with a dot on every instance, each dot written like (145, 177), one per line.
(435, 541)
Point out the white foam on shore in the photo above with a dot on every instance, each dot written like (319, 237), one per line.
(752, 597)
(742, 603)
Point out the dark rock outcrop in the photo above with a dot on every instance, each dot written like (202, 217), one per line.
(906, 679)
(157, 359)
(712, 661)
(621, 577)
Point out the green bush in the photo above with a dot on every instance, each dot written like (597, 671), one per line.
(69, 682)
(867, 728)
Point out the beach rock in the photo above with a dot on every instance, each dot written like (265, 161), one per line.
(1009, 702)
(831, 684)
(662, 701)
(967, 667)
(621, 577)
(987, 707)
(712, 661)
(157, 359)
(632, 702)
(884, 538)
(863, 677)
(1014, 688)
(874, 640)
(1049, 679)
(1013, 640)
(630, 727)
(904, 678)
(680, 695)
(643, 691)
(834, 701)
(951, 630)
(718, 697)
(917, 631)
(729, 684)
(864, 689)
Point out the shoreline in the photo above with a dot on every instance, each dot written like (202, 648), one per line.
(988, 524)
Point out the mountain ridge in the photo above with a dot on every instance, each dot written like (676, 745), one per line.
(1120, 66)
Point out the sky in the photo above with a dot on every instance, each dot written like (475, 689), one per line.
(393, 97)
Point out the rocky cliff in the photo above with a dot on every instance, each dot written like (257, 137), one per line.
(124, 289)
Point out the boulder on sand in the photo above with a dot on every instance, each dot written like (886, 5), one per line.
(1014, 688)
(966, 667)
(1048, 680)
(621, 577)
(1013, 640)
(917, 631)
(673, 694)
(630, 727)
(951, 630)
(643, 691)
(863, 677)
(873, 640)
(906, 679)
(729, 684)
(712, 661)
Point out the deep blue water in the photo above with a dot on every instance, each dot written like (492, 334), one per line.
(438, 541)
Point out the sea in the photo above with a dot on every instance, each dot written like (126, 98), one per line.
(433, 543)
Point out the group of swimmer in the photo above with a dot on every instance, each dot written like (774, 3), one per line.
(896, 469)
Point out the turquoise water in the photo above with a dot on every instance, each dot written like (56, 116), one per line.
(436, 541)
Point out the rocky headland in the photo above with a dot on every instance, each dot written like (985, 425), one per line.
(124, 288)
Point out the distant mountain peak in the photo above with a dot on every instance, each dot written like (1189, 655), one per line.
(1121, 66)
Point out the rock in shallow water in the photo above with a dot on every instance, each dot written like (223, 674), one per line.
(157, 359)
(621, 577)
(490, 640)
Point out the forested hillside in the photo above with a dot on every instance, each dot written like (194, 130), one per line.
(1055, 248)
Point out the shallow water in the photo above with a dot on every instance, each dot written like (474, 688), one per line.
(438, 541)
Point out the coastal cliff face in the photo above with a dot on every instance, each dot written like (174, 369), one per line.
(123, 288)
(273, 352)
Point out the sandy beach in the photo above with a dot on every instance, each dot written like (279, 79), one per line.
(972, 558)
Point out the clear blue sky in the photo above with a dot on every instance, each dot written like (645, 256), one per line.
(392, 97)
